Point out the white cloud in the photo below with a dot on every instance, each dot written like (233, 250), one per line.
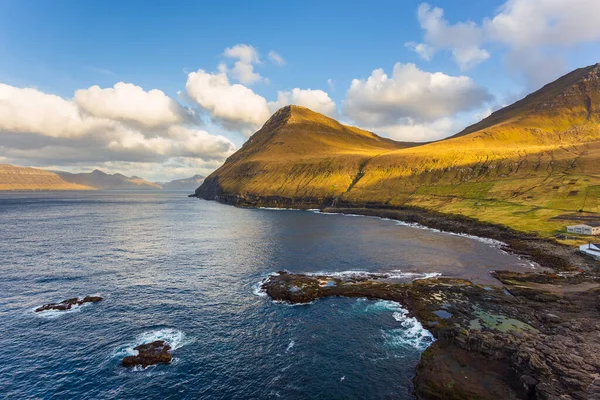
(410, 131)
(243, 69)
(316, 100)
(130, 103)
(235, 106)
(425, 51)
(276, 58)
(534, 33)
(463, 38)
(383, 100)
(38, 128)
(331, 84)
(528, 23)
(30, 110)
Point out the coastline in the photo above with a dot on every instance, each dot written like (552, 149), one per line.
(506, 342)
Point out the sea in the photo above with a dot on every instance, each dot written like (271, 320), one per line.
(188, 271)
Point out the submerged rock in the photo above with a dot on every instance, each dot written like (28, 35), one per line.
(152, 353)
(68, 304)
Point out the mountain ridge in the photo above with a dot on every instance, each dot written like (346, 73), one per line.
(15, 178)
(538, 157)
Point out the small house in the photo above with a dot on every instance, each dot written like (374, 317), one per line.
(589, 228)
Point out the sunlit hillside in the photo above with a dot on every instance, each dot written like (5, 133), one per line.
(523, 165)
(19, 178)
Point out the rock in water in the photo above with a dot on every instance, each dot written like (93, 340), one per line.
(153, 353)
(69, 303)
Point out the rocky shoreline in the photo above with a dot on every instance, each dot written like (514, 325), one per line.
(536, 338)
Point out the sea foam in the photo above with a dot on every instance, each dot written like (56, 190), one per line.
(410, 332)
(173, 337)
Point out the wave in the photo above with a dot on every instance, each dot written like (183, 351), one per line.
(392, 274)
(257, 288)
(290, 346)
(287, 209)
(173, 337)
(411, 331)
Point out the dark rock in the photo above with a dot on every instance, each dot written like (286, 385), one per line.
(69, 303)
(535, 345)
(153, 353)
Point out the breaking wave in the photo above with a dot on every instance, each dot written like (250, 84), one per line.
(392, 274)
(173, 337)
(410, 333)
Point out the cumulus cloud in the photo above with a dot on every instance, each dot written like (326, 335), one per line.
(243, 69)
(30, 110)
(276, 58)
(38, 128)
(463, 38)
(316, 100)
(411, 131)
(382, 100)
(234, 106)
(534, 33)
(238, 108)
(130, 103)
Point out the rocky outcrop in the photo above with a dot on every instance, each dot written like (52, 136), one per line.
(152, 353)
(491, 342)
(68, 304)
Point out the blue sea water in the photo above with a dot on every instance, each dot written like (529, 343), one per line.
(186, 271)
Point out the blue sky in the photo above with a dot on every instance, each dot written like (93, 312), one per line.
(487, 54)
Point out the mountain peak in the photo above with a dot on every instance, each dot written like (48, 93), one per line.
(293, 114)
(574, 96)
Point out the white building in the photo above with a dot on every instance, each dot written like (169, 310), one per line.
(591, 249)
(589, 228)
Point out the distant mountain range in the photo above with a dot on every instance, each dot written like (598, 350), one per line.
(26, 178)
(523, 166)
(183, 184)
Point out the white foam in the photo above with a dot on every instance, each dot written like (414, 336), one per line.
(290, 345)
(173, 337)
(257, 288)
(287, 209)
(392, 274)
(411, 332)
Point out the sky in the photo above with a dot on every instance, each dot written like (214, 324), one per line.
(167, 90)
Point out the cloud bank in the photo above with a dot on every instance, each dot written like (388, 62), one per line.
(534, 34)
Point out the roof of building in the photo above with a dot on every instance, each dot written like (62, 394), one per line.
(591, 224)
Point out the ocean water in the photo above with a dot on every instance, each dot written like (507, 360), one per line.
(186, 271)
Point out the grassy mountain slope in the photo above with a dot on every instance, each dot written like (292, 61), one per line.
(522, 166)
(20, 178)
(297, 154)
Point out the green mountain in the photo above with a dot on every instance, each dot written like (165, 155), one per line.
(522, 166)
